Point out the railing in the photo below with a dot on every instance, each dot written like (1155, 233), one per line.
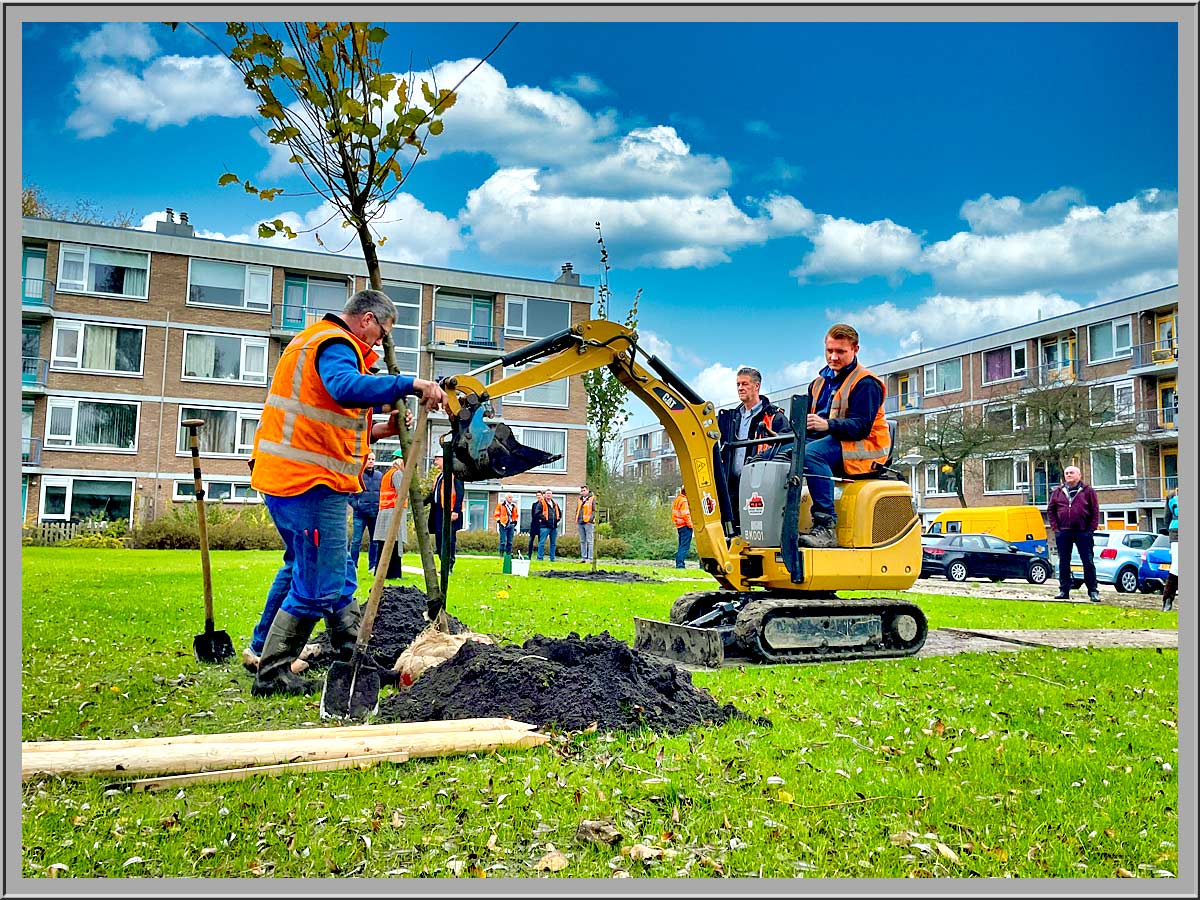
(487, 337)
(1149, 421)
(640, 453)
(296, 317)
(31, 451)
(33, 371)
(898, 405)
(37, 292)
(1155, 488)
(1054, 375)
(53, 532)
(1154, 353)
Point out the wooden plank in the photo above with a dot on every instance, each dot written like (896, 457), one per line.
(316, 765)
(174, 760)
(315, 733)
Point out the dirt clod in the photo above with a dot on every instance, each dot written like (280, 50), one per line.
(606, 575)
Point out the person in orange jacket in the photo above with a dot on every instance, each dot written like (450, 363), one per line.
(681, 517)
(585, 519)
(388, 503)
(506, 517)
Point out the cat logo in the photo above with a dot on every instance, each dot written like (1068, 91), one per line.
(708, 503)
(755, 504)
(669, 400)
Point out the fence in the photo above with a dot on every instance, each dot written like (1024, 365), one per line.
(53, 532)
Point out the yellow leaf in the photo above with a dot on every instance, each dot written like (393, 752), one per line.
(1000, 853)
(785, 797)
(1124, 873)
(947, 852)
(554, 861)
(938, 728)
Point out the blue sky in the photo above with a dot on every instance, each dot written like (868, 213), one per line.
(924, 182)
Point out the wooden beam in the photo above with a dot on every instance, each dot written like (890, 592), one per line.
(316, 765)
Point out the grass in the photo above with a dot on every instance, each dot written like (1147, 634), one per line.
(1029, 764)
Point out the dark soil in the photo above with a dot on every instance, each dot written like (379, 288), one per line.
(401, 618)
(567, 683)
(603, 575)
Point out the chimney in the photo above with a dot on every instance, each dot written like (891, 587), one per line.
(183, 218)
(568, 275)
(182, 228)
(170, 214)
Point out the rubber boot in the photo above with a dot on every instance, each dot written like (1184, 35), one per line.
(823, 534)
(284, 642)
(250, 659)
(1169, 590)
(343, 630)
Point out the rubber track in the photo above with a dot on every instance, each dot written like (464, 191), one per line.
(750, 621)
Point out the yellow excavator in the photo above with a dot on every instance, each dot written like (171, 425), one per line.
(777, 602)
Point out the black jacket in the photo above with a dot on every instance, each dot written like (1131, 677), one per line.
(366, 503)
(434, 500)
(770, 418)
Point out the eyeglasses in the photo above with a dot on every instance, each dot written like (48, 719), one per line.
(384, 332)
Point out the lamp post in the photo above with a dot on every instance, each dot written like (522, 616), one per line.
(912, 459)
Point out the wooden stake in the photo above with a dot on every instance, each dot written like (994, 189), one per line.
(317, 765)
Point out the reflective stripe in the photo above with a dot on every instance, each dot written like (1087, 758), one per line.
(325, 416)
(333, 464)
(861, 451)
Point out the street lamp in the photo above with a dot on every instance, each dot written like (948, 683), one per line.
(912, 459)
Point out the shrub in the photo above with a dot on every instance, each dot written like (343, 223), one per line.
(96, 540)
(487, 542)
(229, 528)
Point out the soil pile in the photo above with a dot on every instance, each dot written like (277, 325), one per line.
(566, 682)
(603, 575)
(401, 618)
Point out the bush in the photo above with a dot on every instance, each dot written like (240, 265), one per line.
(96, 540)
(229, 528)
(488, 542)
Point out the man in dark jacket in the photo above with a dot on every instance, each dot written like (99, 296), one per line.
(551, 515)
(756, 417)
(366, 513)
(435, 500)
(536, 522)
(1074, 513)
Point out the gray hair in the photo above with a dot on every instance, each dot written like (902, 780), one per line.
(755, 375)
(371, 301)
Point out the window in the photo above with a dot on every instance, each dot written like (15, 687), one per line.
(91, 424)
(907, 397)
(75, 499)
(1111, 402)
(225, 491)
(552, 440)
(529, 317)
(1003, 363)
(224, 357)
(463, 319)
(233, 285)
(1112, 467)
(406, 334)
(226, 432)
(108, 349)
(476, 510)
(552, 393)
(100, 270)
(939, 482)
(1006, 475)
(444, 368)
(1109, 340)
(943, 377)
(945, 426)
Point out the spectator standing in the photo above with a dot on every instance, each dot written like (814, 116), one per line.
(506, 522)
(681, 517)
(388, 503)
(535, 521)
(435, 501)
(1073, 511)
(1171, 588)
(551, 516)
(585, 519)
(365, 506)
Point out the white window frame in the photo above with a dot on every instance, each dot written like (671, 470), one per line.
(930, 377)
(1020, 466)
(80, 329)
(522, 331)
(80, 287)
(251, 275)
(517, 398)
(559, 467)
(1119, 351)
(234, 486)
(415, 350)
(68, 481)
(1017, 372)
(72, 403)
(932, 470)
(247, 342)
(1121, 412)
(1117, 451)
(241, 451)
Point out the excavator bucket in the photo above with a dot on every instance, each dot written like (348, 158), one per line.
(485, 451)
(679, 643)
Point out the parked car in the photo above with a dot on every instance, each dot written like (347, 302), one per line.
(963, 556)
(1156, 565)
(1118, 557)
(1020, 525)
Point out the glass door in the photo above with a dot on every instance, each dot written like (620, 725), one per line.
(33, 276)
(903, 391)
(31, 345)
(1164, 331)
(1169, 462)
(1168, 403)
(1058, 358)
(295, 303)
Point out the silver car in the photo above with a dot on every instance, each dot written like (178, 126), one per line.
(1118, 556)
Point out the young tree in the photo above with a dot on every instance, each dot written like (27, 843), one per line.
(949, 439)
(34, 203)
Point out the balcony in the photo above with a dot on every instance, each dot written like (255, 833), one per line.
(638, 454)
(1155, 488)
(1154, 358)
(1157, 424)
(902, 405)
(1054, 375)
(31, 451)
(37, 297)
(469, 339)
(33, 374)
(288, 319)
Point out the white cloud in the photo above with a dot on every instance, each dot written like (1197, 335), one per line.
(655, 345)
(582, 84)
(118, 40)
(1138, 284)
(1001, 215)
(792, 378)
(716, 383)
(849, 251)
(172, 90)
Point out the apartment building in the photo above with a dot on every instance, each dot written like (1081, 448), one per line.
(646, 452)
(126, 333)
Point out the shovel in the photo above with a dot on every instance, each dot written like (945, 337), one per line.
(212, 646)
(351, 688)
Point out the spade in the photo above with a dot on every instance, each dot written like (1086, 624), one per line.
(212, 646)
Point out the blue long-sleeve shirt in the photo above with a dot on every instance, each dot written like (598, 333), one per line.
(338, 367)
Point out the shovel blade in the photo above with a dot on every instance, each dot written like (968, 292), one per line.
(351, 691)
(679, 643)
(484, 451)
(212, 647)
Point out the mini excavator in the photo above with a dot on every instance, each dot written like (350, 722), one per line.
(776, 602)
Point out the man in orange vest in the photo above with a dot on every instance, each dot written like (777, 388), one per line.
(309, 451)
(436, 501)
(681, 518)
(506, 522)
(585, 519)
(847, 431)
(389, 507)
(551, 513)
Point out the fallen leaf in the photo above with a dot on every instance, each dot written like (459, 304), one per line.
(1108, 832)
(53, 869)
(597, 832)
(1124, 873)
(491, 843)
(397, 819)
(712, 864)
(207, 852)
(938, 728)
(785, 797)
(1000, 853)
(947, 852)
(554, 861)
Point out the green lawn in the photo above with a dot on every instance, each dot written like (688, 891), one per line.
(1029, 764)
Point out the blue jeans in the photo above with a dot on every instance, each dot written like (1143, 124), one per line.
(322, 575)
(506, 538)
(361, 524)
(553, 533)
(823, 457)
(685, 544)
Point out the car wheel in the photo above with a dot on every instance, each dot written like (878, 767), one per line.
(1039, 573)
(957, 571)
(1126, 581)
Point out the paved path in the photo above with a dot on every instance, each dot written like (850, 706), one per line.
(949, 641)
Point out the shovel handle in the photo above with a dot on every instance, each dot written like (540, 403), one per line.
(193, 426)
(389, 542)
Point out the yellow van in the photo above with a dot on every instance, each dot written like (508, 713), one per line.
(1019, 525)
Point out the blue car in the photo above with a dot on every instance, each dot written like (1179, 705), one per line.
(1156, 565)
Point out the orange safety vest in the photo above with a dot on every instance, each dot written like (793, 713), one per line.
(438, 499)
(389, 488)
(858, 457)
(681, 513)
(305, 437)
(506, 513)
(587, 510)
